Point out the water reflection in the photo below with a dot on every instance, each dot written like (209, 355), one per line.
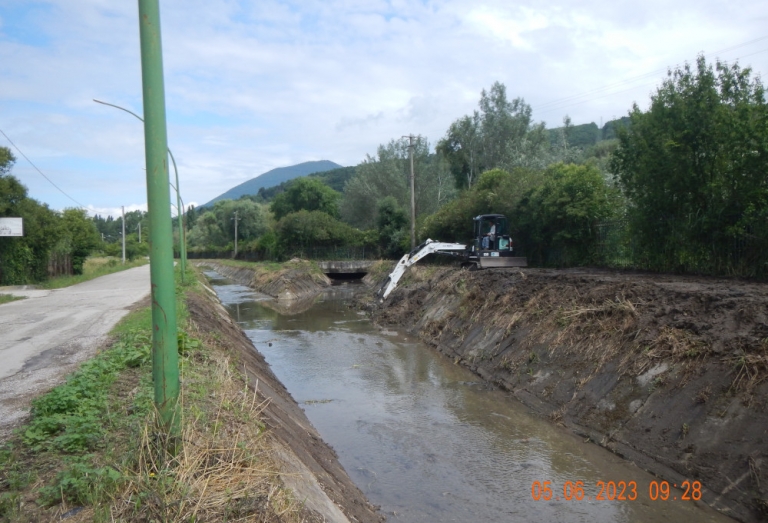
(424, 438)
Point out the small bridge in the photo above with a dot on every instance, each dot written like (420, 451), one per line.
(345, 269)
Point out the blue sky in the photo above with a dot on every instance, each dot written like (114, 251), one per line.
(254, 85)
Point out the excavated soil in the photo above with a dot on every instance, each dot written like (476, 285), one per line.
(296, 280)
(666, 371)
(310, 466)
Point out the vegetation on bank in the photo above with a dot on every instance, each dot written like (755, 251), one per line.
(93, 267)
(93, 445)
(49, 236)
(7, 298)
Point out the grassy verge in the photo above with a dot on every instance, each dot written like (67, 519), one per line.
(93, 268)
(93, 451)
(7, 298)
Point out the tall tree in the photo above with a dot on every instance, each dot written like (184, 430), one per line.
(500, 134)
(461, 148)
(216, 228)
(502, 122)
(79, 236)
(309, 194)
(25, 259)
(7, 159)
(388, 174)
(694, 166)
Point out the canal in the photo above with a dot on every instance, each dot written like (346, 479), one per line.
(428, 441)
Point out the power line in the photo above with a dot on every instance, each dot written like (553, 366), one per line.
(567, 101)
(41, 172)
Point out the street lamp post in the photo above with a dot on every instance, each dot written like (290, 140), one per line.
(182, 235)
(123, 207)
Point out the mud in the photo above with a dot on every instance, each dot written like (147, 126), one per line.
(310, 466)
(668, 372)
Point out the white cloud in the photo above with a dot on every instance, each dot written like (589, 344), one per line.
(251, 86)
(115, 211)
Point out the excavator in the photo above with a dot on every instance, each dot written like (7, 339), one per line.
(491, 246)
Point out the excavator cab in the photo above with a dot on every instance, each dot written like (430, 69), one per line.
(491, 233)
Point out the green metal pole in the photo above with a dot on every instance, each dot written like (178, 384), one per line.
(165, 356)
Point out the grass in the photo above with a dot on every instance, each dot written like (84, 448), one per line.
(7, 298)
(94, 445)
(93, 268)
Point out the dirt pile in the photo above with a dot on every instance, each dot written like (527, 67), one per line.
(293, 280)
(669, 372)
(310, 467)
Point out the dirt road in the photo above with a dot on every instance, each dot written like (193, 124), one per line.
(47, 334)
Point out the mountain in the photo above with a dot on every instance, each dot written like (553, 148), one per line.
(335, 179)
(274, 177)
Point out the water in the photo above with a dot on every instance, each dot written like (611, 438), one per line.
(424, 438)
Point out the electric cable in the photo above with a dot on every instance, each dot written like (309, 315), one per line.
(568, 101)
(41, 172)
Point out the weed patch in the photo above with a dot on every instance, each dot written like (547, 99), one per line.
(93, 268)
(7, 298)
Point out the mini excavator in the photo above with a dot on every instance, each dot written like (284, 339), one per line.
(491, 246)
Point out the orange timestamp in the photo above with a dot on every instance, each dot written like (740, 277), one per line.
(615, 491)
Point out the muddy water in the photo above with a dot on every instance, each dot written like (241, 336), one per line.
(422, 437)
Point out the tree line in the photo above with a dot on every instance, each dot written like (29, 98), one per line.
(48, 234)
(678, 187)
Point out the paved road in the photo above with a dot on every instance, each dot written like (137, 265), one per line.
(45, 336)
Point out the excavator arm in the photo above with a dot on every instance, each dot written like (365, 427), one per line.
(428, 247)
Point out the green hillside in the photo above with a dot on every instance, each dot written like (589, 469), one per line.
(335, 179)
(588, 134)
(274, 177)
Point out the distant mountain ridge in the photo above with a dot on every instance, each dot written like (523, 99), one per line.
(274, 177)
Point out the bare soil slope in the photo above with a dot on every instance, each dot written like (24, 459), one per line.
(295, 280)
(669, 372)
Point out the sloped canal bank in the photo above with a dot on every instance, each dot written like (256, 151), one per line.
(425, 438)
(669, 372)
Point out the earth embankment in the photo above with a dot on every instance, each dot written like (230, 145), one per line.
(293, 280)
(668, 372)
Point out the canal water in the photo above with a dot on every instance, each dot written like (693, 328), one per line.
(425, 439)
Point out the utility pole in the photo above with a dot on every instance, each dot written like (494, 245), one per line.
(236, 220)
(413, 194)
(165, 354)
(123, 207)
(139, 232)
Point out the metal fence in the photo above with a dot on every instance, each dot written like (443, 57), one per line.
(677, 250)
(311, 252)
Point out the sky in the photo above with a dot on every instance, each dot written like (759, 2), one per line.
(255, 85)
